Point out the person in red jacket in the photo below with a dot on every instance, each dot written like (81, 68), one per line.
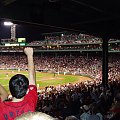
(23, 91)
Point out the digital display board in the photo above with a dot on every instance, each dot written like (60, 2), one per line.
(11, 44)
(20, 40)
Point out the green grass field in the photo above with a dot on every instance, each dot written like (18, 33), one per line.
(43, 79)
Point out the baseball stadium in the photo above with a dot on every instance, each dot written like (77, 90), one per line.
(59, 60)
(69, 63)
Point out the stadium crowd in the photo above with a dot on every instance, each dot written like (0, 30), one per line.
(67, 39)
(65, 42)
(75, 64)
(87, 100)
(52, 47)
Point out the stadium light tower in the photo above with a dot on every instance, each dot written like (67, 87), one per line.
(13, 29)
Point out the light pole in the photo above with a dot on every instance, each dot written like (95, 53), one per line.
(13, 29)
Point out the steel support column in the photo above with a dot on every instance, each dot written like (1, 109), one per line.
(105, 62)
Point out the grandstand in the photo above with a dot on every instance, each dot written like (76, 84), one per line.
(69, 42)
(77, 54)
(68, 72)
(80, 62)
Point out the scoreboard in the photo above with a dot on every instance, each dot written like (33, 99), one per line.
(21, 40)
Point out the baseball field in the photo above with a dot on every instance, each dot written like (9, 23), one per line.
(43, 79)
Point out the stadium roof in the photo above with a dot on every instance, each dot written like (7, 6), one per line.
(96, 17)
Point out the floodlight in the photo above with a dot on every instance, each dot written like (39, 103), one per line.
(8, 23)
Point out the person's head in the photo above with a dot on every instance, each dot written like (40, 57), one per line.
(71, 118)
(85, 108)
(18, 85)
(35, 116)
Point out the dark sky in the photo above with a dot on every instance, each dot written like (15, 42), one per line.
(30, 32)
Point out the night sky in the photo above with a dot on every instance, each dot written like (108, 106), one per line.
(29, 32)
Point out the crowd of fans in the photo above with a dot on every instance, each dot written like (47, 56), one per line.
(57, 47)
(86, 100)
(66, 42)
(67, 39)
(75, 64)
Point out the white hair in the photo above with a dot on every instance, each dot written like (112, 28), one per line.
(35, 116)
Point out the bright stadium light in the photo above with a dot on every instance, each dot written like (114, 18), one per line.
(13, 29)
(8, 23)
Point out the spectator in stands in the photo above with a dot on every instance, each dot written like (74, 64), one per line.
(94, 115)
(71, 118)
(86, 112)
(23, 90)
(115, 109)
(35, 116)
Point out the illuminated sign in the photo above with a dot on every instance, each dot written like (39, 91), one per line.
(21, 40)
